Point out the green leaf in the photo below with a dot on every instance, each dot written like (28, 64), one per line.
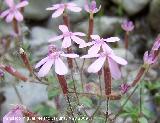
(86, 101)
(99, 120)
(143, 120)
(52, 93)
(46, 110)
(52, 79)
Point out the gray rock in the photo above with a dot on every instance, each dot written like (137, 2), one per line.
(41, 35)
(39, 40)
(132, 7)
(102, 25)
(78, 16)
(122, 53)
(53, 23)
(36, 9)
(5, 29)
(154, 16)
(31, 94)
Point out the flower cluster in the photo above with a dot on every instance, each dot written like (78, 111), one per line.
(97, 44)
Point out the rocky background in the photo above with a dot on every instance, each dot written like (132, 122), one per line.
(39, 27)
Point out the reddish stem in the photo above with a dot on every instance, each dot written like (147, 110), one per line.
(63, 83)
(126, 40)
(14, 72)
(107, 79)
(25, 59)
(15, 26)
(90, 28)
(139, 76)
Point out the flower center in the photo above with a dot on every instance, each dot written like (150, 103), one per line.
(67, 34)
(55, 55)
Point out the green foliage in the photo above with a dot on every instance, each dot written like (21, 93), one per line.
(86, 101)
(45, 110)
(153, 85)
(143, 120)
(99, 119)
(53, 93)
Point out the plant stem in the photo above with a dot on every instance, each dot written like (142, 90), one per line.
(70, 106)
(140, 99)
(121, 108)
(18, 94)
(63, 84)
(91, 25)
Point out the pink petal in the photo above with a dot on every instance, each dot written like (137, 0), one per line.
(77, 40)
(86, 7)
(74, 9)
(96, 10)
(56, 38)
(46, 68)
(66, 42)
(10, 3)
(114, 69)
(106, 48)
(12, 113)
(5, 13)
(70, 55)
(63, 28)
(95, 37)
(94, 49)
(58, 12)
(54, 7)
(44, 60)
(9, 18)
(112, 39)
(97, 65)
(145, 57)
(60, 67)
(79, 34)
(90, 56)
(71, 4)
(86, 44)
(18, 16)
(22, 4)
(119, 60)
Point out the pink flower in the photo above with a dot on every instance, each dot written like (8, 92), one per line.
(13, 11)
(59, 8)
(127, 26)
(92, 8)
(54, 57)
(113, 62)
(97, 43)
(156, 45)
(1, 74)
(124, 88)
(14, 116)
(68, 36)
(149, 58)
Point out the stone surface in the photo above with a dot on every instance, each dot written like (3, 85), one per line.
(36, 10)
(154, 16)
(39, 40)
(5, 29)
(102, 25)
(132, 7)
(31, 94)
(78, 16)
(122, 53)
